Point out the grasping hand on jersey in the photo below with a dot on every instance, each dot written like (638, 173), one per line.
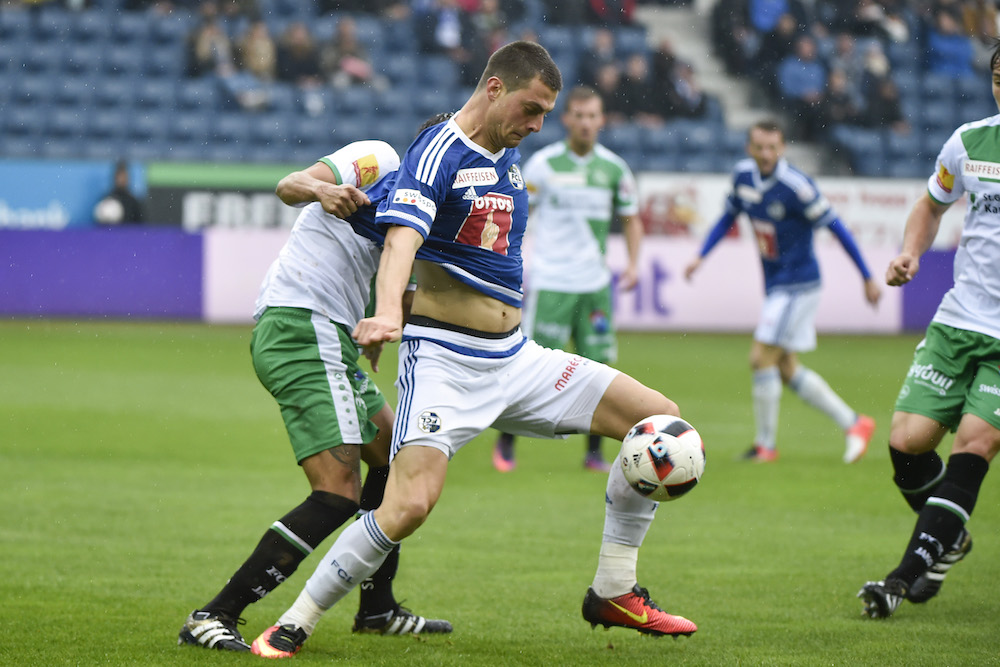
(340, 200)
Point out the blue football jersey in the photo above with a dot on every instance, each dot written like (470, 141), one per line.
(470, 206)
(784, 210)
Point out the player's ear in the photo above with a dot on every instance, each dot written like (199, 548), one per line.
(494, 88)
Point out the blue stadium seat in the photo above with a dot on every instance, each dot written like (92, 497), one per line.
(401, 35)
(53, 25)
(399, 70)
(198, 94)
(908, 82)
(939, 113)
(439, 73)
(560, 39)
(33, 91)
(629, 40)
(61, 149)
(163, 62)
(391, 104)
(11, 56)
(314, 135)
(224, 152)
(624, 138)
(23, 122)
(91, 26)
(155, 94)
(284, 97)
(108, 124)
(902, 146)
(914, 167)
(42, 59)
(83, 60)
(937, 86)
(903, 55)
(269, 154)
(271, 128)
(171, 31)
(185, 152)
(663, 140)
(190, 127)
(18, 146)
(370, 30)
(15, 24)
(114, 93)
(65, 123)
(148, 125)
(232, 128)
(424, 101)
(124, 61)
(130, 28)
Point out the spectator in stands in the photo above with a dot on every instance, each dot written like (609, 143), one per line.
(445, 28)
(390, 9)
(775, 47)
(599, 53)
(766, 14)
(871, 19)
(612, 12)
(884, 110)
(841, 105)
(638, 94)
(981, 22)
(257, 52)
(949, 50)
(733, 40)
(876, 67)
(298, 63)
(609, 85)
(344, 60)
(849, 61)
(119, 206)
(209, 48)
(802, 83)
(690, 100)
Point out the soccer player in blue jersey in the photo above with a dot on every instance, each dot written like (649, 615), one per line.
(785, 209)
(459, 206)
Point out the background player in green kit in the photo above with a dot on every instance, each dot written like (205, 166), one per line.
(576, 188)
(953, 383)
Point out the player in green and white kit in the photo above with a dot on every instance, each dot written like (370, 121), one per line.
(954, 381)
(311, 299)
(576, 187)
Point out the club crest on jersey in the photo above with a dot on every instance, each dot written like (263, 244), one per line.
(475, 176)
(776, 210)
(429, 422)
(514, 175)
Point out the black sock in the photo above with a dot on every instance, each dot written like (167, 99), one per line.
(375, 592)
(594, 446)
(917, 475)
(943, 517)
(374, 488)
(283, 547)
(506, 444)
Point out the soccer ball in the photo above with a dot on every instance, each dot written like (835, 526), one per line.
(663, 457)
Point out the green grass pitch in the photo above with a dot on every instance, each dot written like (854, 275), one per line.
(142, 461)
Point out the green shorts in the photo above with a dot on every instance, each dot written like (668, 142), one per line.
(954, 371)
(310, 365)
(559, 317)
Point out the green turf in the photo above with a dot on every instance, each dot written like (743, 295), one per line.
(142, 461)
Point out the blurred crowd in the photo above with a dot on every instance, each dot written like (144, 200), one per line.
(829, 61)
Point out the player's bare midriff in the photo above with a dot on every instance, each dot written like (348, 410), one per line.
(446, 299)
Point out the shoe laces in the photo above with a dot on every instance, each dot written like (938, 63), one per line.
(643, 594)
(287, 638)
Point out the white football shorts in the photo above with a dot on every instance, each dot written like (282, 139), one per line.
(454, 384)
(788, 319)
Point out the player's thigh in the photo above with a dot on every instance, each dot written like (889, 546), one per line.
(627, 402)
(310, 366)
(593, 328)
(446, 398)
(942, 377)
(788, 319)
(552, 317)
(550, 393)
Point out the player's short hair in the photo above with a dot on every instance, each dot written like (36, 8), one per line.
(435, 119)
(582, 94)
(995, 58)
(767, 125)
(518, 63)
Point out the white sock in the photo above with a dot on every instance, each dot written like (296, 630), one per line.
(627, 517)
(304, 613)
(814, 390)
(355, 556)
(766, 403)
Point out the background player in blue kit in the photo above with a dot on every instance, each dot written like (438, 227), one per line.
(785, 208)
(459, 206)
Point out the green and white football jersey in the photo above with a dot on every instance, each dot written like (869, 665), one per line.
(969, 163)
(573, 200)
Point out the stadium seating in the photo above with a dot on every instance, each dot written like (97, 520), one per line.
(111, 82)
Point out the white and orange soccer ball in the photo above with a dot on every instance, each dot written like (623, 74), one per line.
(662, 457)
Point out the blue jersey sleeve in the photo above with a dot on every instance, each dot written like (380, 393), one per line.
(846, 240)
(421, 184)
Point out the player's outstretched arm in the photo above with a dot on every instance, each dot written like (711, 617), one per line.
(921, 227)
(632, 225)
(394, 270)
